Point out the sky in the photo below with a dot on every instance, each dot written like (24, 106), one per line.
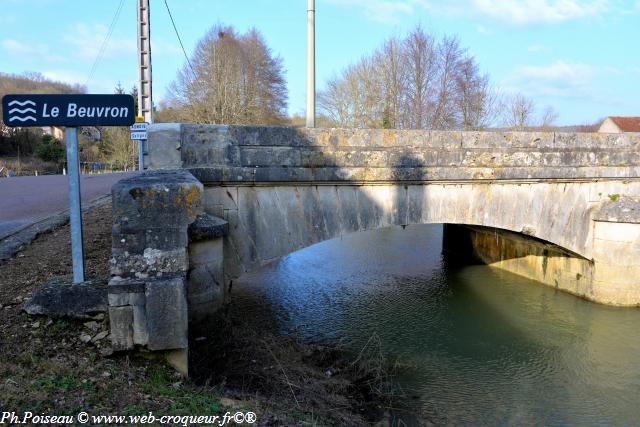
(580, 57)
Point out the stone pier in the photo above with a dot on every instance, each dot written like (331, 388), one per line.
(166, 263)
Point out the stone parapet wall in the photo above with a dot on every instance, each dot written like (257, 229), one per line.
(284, 154)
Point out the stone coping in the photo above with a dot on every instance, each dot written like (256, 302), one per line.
(619, 209)
(207, 227)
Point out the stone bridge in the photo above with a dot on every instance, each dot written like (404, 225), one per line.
(561, 208)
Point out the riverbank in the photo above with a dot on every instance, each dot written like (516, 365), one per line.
(64, 367)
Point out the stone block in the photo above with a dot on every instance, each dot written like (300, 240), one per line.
(151, 263)
(207, 175)
(59, 298)
(121, 325)
(165, 238)
(122, 299)
(166, 312)
(207, 227)
(226, 197)
(271, 156)
(617, 231)
(163, 146)
(139, 324)
(206, 291)
(619, 209)
(206, 252)
(172, 198)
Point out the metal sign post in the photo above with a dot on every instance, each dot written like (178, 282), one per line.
(141, 154)
(75, 205)
(70, 111)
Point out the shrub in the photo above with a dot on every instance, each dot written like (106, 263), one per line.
(50, 149)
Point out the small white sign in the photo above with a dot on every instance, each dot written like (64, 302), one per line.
(140, 126)
(139, 135)
(139, 131)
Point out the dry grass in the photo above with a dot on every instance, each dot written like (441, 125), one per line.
(26, 166)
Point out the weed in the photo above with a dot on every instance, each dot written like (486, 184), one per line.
(55, 382)
(185, 398)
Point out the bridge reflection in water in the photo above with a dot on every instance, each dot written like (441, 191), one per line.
(478, 345)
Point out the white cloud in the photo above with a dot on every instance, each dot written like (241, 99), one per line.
(512, 12)
(385, 11)
(563, 79)
(538, 11)
(30, 51)
(87, 41)
(538, 48)
(93, 86)
(558, 71)
(609, 69)
(65, 76)
(162, 47)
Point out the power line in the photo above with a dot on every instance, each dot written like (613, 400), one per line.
(180, 40)
(105, 42)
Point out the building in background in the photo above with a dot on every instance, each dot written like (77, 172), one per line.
(55, 131)
(58, 132)
(617, 124)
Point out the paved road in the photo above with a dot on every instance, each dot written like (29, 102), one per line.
(28, 199)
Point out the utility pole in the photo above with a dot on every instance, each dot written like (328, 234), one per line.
(145, 98)
(311, 63)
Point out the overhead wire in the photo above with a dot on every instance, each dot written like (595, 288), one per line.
(105, 42)
(184, 52)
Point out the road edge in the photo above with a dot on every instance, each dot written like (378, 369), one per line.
(14, 242)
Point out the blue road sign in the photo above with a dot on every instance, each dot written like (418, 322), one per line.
(67, 110)
(70, 111)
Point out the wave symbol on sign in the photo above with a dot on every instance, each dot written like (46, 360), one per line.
(28, 104)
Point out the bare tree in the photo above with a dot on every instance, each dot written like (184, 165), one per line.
(354, 99)
(421, 72)
(391, 67)
(519, 112)
(548, 118)
(231, 78)
(476, 101)
(411, 82)
(449, 61)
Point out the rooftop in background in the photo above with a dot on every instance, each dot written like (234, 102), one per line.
(618, 124)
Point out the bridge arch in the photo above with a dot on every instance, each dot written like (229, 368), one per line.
(268, 222)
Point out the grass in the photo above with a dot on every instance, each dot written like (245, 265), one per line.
(56, 382)
(185, 398)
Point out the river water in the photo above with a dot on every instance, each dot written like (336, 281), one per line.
(475, 345)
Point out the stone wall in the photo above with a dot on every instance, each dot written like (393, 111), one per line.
(283, 154)
(616, 238)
